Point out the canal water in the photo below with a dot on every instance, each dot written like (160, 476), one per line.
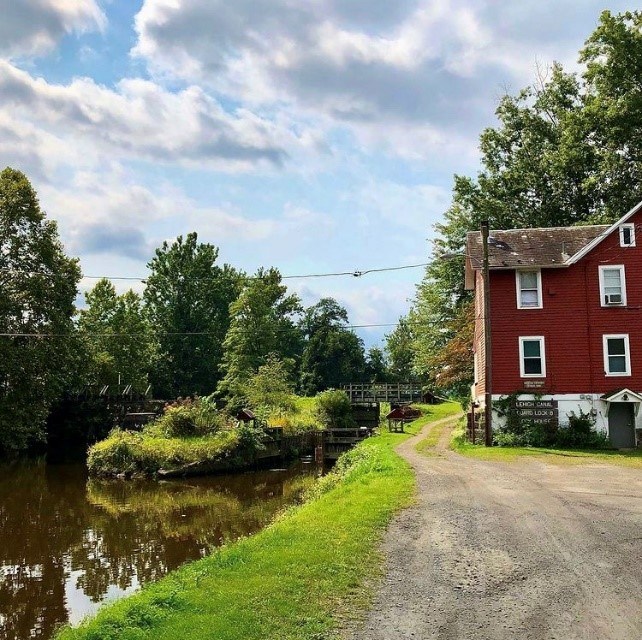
(69, 543)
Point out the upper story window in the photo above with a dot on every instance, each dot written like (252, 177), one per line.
(532, 359)
(627, 235)
(529, 289)
(612, 286)
(617, 358)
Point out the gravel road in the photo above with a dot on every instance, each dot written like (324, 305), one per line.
(522, 550)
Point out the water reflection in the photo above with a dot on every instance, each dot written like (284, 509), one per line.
(68, 544)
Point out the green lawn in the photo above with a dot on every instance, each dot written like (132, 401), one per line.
(554, 456)
(427, 444)
(297, 579)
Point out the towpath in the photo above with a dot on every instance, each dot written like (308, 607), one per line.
(499, 551)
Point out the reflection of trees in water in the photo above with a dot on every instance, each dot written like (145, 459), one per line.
(115, 533)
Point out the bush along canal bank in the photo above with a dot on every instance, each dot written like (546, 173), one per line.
(193, 437)
(297, 579)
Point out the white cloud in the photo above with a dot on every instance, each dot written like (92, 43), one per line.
(34, 27)
(422, 70)
(415, 207)
(140, 119)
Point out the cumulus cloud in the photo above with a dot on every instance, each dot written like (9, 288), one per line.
(33, 27)
(435, 65)
(141, 119)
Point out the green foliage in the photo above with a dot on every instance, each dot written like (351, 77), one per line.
(290, 581)
(118, 335)
(262, 323)
(188, 417)
(271, 387)
(567, 150)
(332, 355)
(521, 432)
(39, 285)
(333, 410)
(399, 352)
(141, 453)
(187, 293)
(581, 433)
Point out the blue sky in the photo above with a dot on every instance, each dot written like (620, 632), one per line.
(314, 136)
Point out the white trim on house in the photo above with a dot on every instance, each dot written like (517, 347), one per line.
(605, 234)
(631, 227)
(542, 356)
(519, 289)
(611, 301)
(627, 355)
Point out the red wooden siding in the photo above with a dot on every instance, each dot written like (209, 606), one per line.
(572, 322)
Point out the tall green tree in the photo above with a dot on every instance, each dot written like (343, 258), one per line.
(399, 352)
(567, 150)
(332, 355)
(376, 369)
(38, 285)
(119, 336)
(262, 324)
(187, 301)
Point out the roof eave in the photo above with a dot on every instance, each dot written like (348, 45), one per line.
(605, 234)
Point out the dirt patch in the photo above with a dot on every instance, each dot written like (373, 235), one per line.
(522, 550)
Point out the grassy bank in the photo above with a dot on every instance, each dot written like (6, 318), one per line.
(147, 453)
(193, 435)
(293, 580)
(553, 456)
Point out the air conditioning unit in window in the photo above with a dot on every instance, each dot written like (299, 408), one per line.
(613, 298)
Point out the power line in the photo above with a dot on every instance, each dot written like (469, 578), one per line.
(172, 333)
(355, 273)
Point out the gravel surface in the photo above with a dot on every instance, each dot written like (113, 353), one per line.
(512, 550)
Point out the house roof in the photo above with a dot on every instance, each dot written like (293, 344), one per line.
(548, 247)
(515, 248)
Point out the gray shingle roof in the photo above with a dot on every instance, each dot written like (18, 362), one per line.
(516, 248)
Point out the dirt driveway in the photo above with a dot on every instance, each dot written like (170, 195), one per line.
(522, 550)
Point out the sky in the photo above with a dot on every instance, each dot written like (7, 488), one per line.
(315, 136)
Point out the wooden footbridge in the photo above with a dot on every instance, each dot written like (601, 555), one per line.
(403, 393)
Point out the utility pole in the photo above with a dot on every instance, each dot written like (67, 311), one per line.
(488, 370)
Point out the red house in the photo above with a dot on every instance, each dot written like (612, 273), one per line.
(565, 322)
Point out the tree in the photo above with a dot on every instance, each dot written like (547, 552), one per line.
(39, 285)
(567, 151)
(118, 335)
(332, 355)
(376, 366)
(399, 352)
(262, 322)
(187, 301)
(271, 387)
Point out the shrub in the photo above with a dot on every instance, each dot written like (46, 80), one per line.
(188, 417)
(333, 410)
(581, 433)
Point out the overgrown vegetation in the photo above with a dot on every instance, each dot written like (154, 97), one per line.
(558, 455)
(517, 431)
(333, 410)
(293, 580)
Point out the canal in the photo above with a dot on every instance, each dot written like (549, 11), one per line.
(69, 543)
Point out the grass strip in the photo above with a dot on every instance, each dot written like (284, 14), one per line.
(427, 445)
(623, 458)
(295, 579)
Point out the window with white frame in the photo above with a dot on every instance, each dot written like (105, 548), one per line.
(532, 359)
(617, 357)
(627, 235)
(529, 289)
(612, 286)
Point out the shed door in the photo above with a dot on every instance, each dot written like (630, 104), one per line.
(622, 425)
